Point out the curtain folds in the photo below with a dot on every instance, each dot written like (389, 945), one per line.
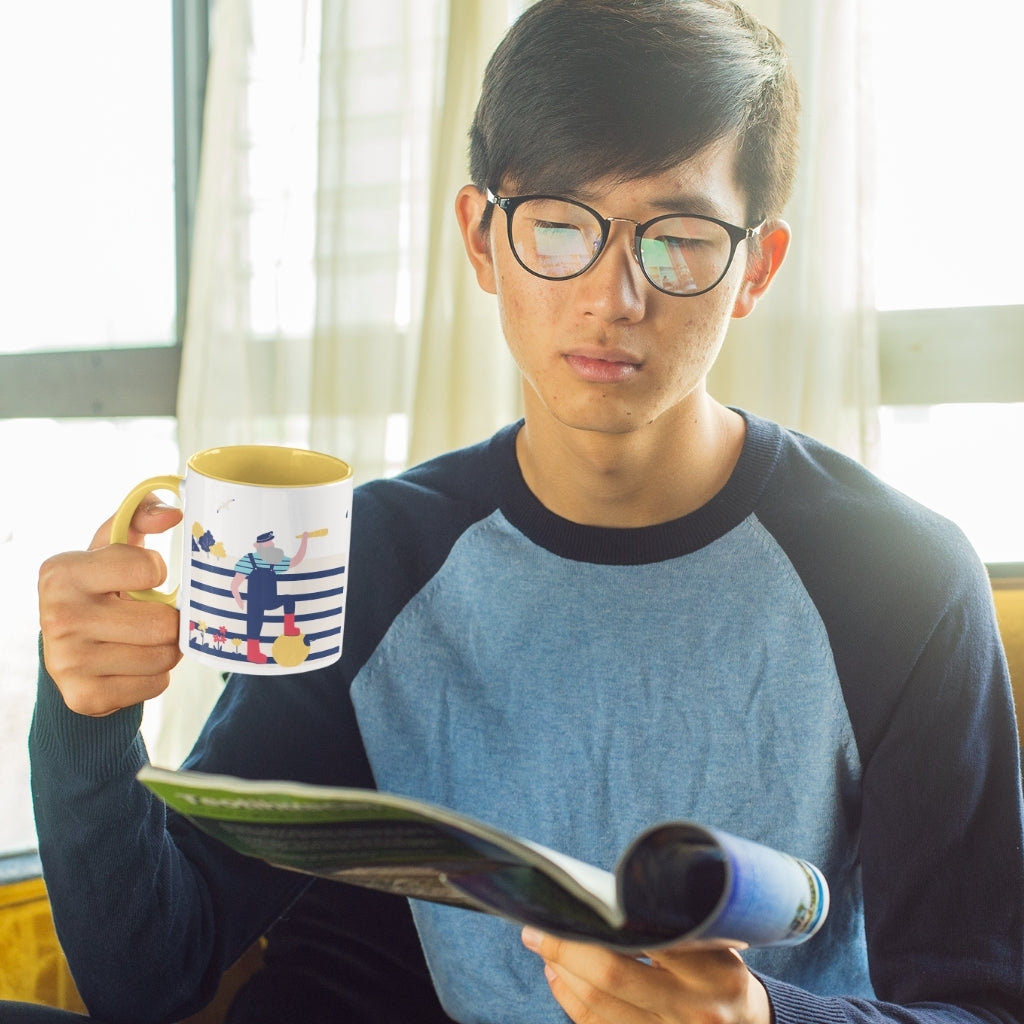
(467, 385)
(808, 356)
(330, 302)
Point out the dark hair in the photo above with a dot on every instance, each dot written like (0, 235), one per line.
(582, 89)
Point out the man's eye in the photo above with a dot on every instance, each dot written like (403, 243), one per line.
(680, 242)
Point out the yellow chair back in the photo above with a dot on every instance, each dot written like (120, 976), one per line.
(1008, 591)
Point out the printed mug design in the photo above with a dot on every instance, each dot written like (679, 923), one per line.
(265, 605)
(263, 572)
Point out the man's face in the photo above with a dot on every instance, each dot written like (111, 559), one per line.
(269, 552)
(606, 351)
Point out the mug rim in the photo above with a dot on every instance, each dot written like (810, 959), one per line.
(289, 466)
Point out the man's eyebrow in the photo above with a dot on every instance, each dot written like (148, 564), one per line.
(690, 204)
(694, 203)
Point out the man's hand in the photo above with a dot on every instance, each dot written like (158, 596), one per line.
(597, 986)
(104, 650)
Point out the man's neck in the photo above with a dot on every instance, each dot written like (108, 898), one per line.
(667, 470)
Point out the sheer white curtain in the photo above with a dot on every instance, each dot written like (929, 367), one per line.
(328, 280)
(808, 355)
(399, 317)
(330, 303)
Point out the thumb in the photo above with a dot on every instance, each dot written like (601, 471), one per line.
(152, 516)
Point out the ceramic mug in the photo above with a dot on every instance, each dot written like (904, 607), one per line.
(264, 557)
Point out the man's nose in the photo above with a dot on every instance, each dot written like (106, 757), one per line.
(614, 287)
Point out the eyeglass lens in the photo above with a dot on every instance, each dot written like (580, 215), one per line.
(558, 238)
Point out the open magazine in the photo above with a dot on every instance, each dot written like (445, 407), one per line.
(677, 882)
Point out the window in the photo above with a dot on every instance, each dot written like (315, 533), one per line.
(948, 267)
(107, 122)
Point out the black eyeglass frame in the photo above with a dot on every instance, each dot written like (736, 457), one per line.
(736, 235)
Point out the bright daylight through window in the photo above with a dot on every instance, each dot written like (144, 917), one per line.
(88, 258)
(947, 89)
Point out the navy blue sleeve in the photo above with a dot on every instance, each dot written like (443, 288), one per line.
(133, 893)
(909, 612)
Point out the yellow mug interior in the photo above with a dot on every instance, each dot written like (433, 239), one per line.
(269, 466)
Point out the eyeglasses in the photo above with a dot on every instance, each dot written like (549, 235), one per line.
(680, 254)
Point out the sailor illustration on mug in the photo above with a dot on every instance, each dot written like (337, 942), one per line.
(261, 567)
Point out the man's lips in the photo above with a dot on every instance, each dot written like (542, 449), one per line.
(608, 369)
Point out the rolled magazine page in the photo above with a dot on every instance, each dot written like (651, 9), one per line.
(713, 886)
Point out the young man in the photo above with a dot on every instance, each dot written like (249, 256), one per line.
(636, 605)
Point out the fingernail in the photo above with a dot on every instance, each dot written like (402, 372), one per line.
(531, 938)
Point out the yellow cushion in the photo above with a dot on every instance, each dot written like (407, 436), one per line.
(32, 967)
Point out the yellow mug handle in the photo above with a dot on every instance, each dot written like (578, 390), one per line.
(123, 518)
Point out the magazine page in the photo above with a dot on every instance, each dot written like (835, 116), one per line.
(383, 841)
(677, 882)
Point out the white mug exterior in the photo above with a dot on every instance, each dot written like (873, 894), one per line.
(264, 557)
(246, 540)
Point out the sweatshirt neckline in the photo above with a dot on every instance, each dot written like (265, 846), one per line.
(639, 545)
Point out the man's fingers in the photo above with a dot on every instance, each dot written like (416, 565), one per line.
(103, 650)
(594, 984)
(109, 619)
(98, 697)
(109, 652)
(152, 516)
(131, 673)
(106, 570)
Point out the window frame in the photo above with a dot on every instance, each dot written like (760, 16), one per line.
(962, 354)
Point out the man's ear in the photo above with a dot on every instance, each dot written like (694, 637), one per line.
(762, 266)
(470, 205)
